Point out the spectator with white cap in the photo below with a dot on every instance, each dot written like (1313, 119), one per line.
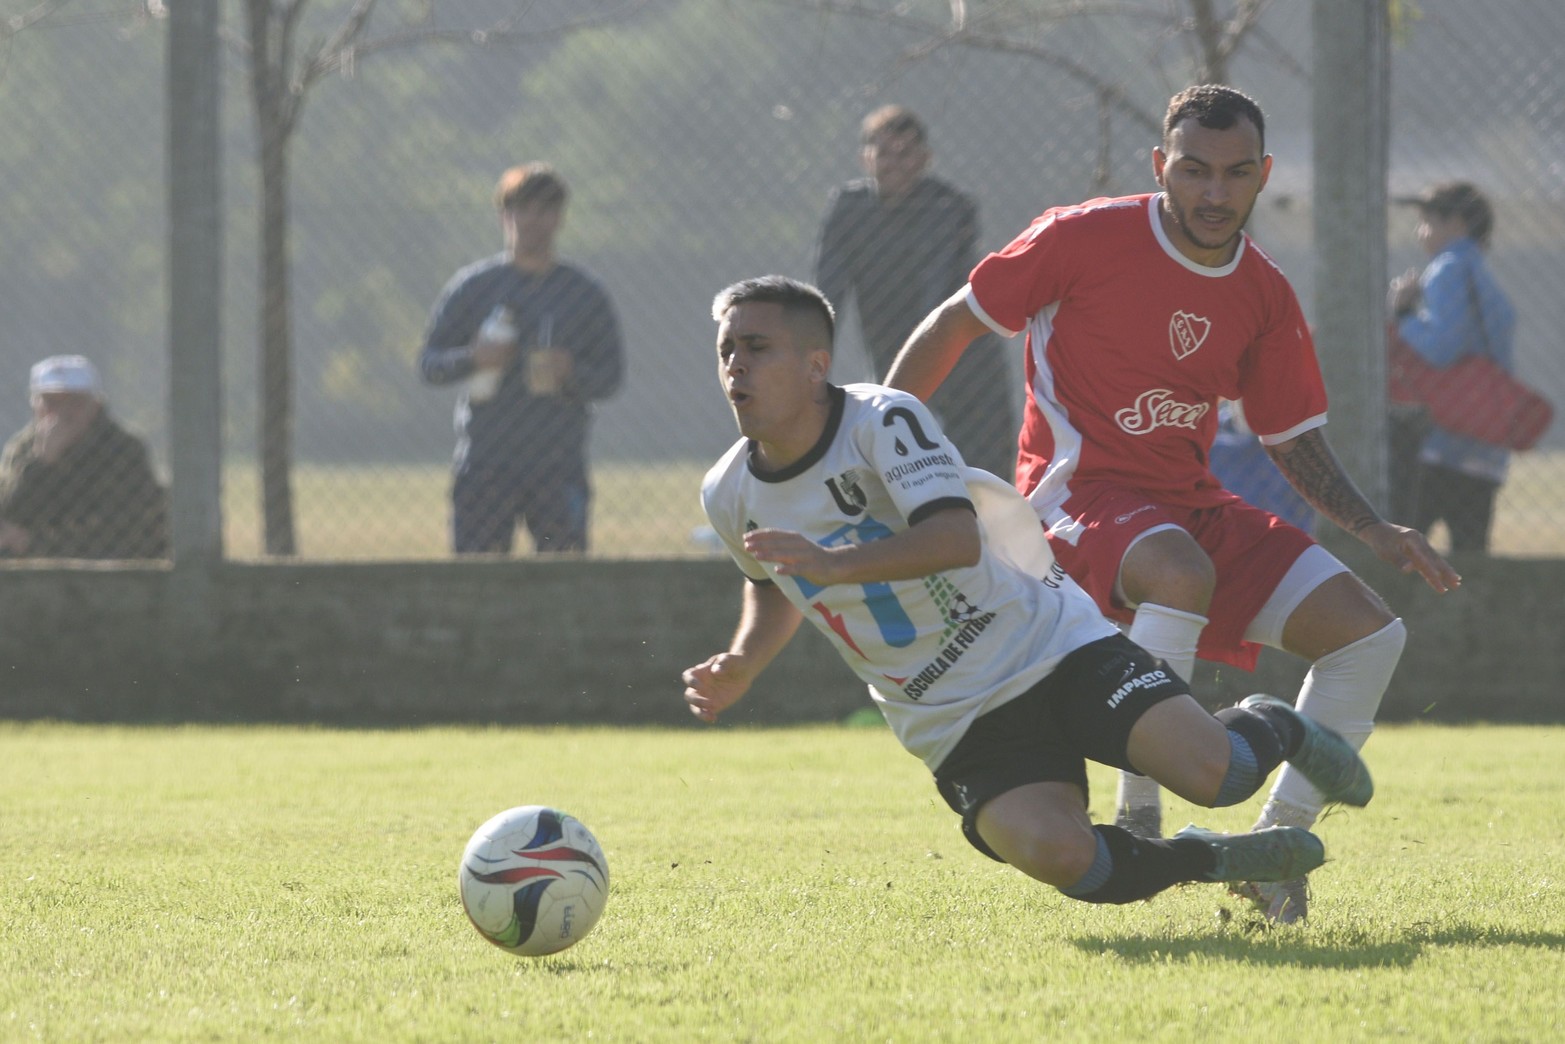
(73, 482)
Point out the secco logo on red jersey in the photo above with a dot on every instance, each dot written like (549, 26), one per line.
(1187, 332)
(1157, 408)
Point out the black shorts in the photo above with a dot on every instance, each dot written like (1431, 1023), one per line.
(1083, 709)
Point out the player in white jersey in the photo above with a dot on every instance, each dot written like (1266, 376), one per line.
(1141, 313)
(850, 508)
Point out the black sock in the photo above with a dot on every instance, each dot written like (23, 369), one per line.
(1142, 868)
(1273, 734)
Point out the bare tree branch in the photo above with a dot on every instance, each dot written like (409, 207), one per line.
(1277, 52)
(45, 15)
(504, 32)
(1207, 29)
(289, 101)
(947, 35)
(21, 23)
(280, 85)
(1239, 27)
(348, 31)
(1015, 26)
(27, 19)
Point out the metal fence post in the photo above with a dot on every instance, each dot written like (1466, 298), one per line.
(1351, 125)
(195, 304)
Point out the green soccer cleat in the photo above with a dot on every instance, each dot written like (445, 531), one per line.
(1271, 854)
(1326, 759)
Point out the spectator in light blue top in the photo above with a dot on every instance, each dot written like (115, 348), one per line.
(1243, 466)
(1453, 308)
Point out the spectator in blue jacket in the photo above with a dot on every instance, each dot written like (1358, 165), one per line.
(1243, 466)
(1453, 308)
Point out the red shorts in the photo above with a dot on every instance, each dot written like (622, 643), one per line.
(1252, 550)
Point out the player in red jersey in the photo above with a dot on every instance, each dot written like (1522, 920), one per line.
(1141, 312)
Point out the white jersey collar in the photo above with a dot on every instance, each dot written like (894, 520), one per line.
(1153, 203)
(839, 401)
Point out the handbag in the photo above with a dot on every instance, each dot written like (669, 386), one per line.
(1474, 396)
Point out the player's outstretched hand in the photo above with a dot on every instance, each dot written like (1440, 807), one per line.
(1408, 550)
(794, 554)
(715, 684)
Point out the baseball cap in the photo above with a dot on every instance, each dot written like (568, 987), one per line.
(65, 373)
(1447, 197)
(1456, 199)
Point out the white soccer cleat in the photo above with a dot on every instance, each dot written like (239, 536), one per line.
(1281, 902)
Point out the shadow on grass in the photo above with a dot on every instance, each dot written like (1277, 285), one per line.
(1256, 942)
(561, 964)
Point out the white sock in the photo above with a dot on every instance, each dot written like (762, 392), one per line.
(1280, 813)
(1342, 691)
(1137, 792)
(1170, 635)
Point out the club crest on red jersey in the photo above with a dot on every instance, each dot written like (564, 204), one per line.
(1187, 332)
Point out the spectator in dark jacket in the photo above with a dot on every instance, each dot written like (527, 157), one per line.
(900, 242)
(73, 483)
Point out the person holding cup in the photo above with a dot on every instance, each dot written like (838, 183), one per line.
(537, 341)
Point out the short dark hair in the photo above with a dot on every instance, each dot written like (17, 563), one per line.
(1214, 106)
(799, 300)
(530, 183)
(1459, 199)
(895, 120)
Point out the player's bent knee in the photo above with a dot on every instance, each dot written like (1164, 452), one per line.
(1060, 860)
(1169, 568)
(1389, 640)
(1197, 776)
(1381, 628)
(1183, 748)
(1335, 616)
(1202, 783)
(1373, 654)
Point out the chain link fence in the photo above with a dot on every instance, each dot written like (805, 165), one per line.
(701, 142)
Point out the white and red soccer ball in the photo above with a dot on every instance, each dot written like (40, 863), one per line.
(533, 880)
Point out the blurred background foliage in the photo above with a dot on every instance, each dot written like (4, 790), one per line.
(701, 139)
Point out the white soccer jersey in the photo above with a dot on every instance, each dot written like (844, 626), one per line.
(938, 651)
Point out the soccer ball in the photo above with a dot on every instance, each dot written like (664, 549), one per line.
(533, 880)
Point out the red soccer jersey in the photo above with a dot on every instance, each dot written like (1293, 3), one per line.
(1129, 346)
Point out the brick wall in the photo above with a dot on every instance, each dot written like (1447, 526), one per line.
(598, 641)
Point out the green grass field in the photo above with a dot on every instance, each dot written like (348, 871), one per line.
(359, 512)
(768, 885)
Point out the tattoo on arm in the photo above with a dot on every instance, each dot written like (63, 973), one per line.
(1308, 463)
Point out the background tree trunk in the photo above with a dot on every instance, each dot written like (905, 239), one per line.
(276, 369)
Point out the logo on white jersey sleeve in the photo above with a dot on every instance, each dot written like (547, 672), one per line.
(931, 453)
(909, 420)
